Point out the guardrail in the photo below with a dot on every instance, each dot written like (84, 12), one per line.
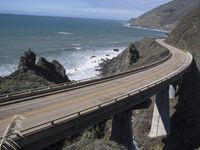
(104, 104)
(6, 99)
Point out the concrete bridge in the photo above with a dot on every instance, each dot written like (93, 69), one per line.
(58, 111)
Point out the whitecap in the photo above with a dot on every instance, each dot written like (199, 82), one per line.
(6, 69)
(65, 33)
(78, 48)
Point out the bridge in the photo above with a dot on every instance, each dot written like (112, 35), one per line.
(55, 112)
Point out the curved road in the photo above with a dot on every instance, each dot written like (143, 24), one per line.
(47, 108)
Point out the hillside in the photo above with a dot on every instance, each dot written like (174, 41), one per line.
(185, 112)
(167, 16)
(187, 34)
(185, 123)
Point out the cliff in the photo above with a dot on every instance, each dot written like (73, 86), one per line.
(187, 34)
(135, 55)
(167, 16)
(185, 112)
(185, 123)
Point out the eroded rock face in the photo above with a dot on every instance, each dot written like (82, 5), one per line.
(52, 71)
(134, 53)
(59, 68)
(27, 61)
(31, 75)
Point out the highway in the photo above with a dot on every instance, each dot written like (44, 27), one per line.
(50, 107)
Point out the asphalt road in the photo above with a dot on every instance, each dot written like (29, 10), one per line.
(47, 108)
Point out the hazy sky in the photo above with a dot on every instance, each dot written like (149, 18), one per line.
(106, 9)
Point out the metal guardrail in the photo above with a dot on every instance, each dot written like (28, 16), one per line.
(68, 117)
(6, 99)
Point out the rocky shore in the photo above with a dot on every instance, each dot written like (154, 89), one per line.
(135, 55)
(31, 75)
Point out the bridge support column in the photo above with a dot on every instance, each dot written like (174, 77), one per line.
(172, 92)
(122, 129)
(160, 125)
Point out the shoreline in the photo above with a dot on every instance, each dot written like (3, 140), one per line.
(139, 27)
(85, 70)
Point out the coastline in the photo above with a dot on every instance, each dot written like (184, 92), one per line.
(150, 29)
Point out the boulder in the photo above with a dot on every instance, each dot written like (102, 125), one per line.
(59, 68)
(52, 71)
(116, 50)
(27, 61)
(42, 62)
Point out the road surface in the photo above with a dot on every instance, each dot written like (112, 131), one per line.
(47, 108)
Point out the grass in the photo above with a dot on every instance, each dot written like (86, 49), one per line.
(12, 129)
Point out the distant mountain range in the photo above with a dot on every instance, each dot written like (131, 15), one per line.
(165, 17)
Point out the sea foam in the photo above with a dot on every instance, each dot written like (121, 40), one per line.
(65, 33)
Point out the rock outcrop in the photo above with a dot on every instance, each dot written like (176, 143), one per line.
(186, 35)
(52, 71)
(27, 61)
(135, 55)
(31, 74)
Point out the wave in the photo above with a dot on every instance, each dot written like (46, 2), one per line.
(139, 27)
(6, 69)
(78, 48)
(88, 67)
(65, 33)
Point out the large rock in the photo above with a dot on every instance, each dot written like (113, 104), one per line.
(52, 71)
(30, 75)
(59, 68)
(27, 61)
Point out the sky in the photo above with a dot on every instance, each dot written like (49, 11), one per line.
(101, 9)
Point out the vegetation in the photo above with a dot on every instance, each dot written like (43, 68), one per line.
(12, 129)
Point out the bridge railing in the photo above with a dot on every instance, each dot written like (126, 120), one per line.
(76, 114)
(24, 95)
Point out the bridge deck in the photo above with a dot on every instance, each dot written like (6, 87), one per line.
(47, 108)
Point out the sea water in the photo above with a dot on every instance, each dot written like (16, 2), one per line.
(78, 44)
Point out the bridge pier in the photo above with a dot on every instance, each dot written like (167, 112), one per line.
(172, 92)
(122, 129)
(160, 125)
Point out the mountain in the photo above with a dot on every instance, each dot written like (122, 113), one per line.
(165, 17)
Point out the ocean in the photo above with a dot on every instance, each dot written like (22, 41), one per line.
(78, 44)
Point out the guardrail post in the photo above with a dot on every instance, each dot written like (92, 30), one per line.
(52, 123)
(122, 129)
